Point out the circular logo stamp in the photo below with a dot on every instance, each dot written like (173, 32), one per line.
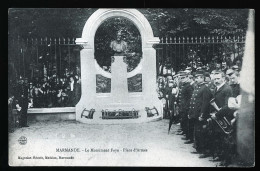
(22, 140)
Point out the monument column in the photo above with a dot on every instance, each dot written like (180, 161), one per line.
(88, 77)
(149, 70)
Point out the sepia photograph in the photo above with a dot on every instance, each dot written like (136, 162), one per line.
(135, 87)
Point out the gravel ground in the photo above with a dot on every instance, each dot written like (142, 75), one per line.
(144, 144)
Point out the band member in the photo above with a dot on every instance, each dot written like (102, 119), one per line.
(229, 113)
(222, 93)
(199, 112)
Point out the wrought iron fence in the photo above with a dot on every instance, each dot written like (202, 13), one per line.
(42, 57)
(180, 52)
(39, 57)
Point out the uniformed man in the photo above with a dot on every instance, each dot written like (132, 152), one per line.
(184, 99)
(190, 132)
(199, 111)
(22, 98)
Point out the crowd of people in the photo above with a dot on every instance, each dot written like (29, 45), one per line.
(204, 103)
(51, 91)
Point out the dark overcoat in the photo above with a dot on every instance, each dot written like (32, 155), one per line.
(222, 95)
(200, 101)
(185, 98)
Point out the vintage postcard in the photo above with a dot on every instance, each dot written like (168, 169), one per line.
(131, 87)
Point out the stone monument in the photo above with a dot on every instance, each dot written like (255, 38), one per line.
(119, 99)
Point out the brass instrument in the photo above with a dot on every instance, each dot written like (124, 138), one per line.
(223, 123)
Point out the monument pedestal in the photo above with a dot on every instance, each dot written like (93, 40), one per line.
(119, 87)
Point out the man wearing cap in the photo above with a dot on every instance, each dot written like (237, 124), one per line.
(199, 111)
(184, 100)
(190, 131)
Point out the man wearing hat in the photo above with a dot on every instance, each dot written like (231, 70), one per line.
(22, 97)
(184, 99)
(199, 112)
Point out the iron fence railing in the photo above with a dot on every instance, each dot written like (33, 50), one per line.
(179, 52)
(41, 57)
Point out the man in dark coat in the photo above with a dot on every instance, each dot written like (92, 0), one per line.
(222, 93)
(184, 106)
(235, 87)
(229, 141)
(183, 101)
(22, 97)
(199, 111)
(190, 132)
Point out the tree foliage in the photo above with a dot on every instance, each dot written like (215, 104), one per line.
(191, 22)
(69, 22)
